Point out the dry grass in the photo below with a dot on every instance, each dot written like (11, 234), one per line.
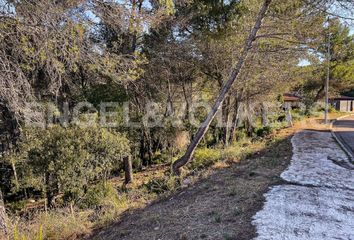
(217, 203)
(317, 123)
(56, 224)
(213, 203)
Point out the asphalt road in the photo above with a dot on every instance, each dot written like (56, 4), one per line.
(344, 130)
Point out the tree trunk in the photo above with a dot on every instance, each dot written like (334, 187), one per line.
(234, 120)
(11, 127)
(11, 133)
(145, 146)
(320, 93)
(225, 120)
(142, 148)
(13, 166)
(288, 117)
(225, 89)
(249, 126)
(264, 115)
(50, 190)
(169, 103)
(187, 102)
(3, 228)
(128, 168)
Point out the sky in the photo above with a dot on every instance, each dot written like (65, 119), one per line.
(349, 23)
(304, 62)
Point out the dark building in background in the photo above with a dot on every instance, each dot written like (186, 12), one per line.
(343, 103)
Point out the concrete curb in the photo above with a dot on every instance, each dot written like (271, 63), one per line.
(345, 149)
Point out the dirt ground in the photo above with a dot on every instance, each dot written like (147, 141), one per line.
(218, 206)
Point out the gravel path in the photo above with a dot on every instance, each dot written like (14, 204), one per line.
(317, 200)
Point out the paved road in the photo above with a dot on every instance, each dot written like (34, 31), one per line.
(344, 130)
(317, 200)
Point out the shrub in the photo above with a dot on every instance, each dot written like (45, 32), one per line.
(241, 150)
(332, 109)
(277, 125)
(297, 114)
(281, 118)
(17, 206)
(96, 195)
(233, 153)
(72, 158)
(314, 113)
(64, 225)
(241, 134)
(18, 161)
(163, 184)
(264, 131)
(204, 157)
(56, 224)
(181, 140)
(106, 201)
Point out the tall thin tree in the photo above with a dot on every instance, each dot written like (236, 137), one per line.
(225, 89)
(2, 216)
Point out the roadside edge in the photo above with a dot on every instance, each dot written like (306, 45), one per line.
(345, 149)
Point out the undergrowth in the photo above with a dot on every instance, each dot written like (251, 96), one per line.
(105, 202)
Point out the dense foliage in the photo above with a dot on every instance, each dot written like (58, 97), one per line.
(159, 65)
(66, 160)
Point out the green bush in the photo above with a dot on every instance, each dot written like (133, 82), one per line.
(68, 160)
(31, 138)
(332, 109)
(74, 157)
(160, 158)
(277, 125)
(314, 113)
(204, 157)
(97, 194)
(241, 134)
(263, 131)
(107, 202)
(17, 206)
(297, 114)
(233, 152)
(281, 117)
(163, 184)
